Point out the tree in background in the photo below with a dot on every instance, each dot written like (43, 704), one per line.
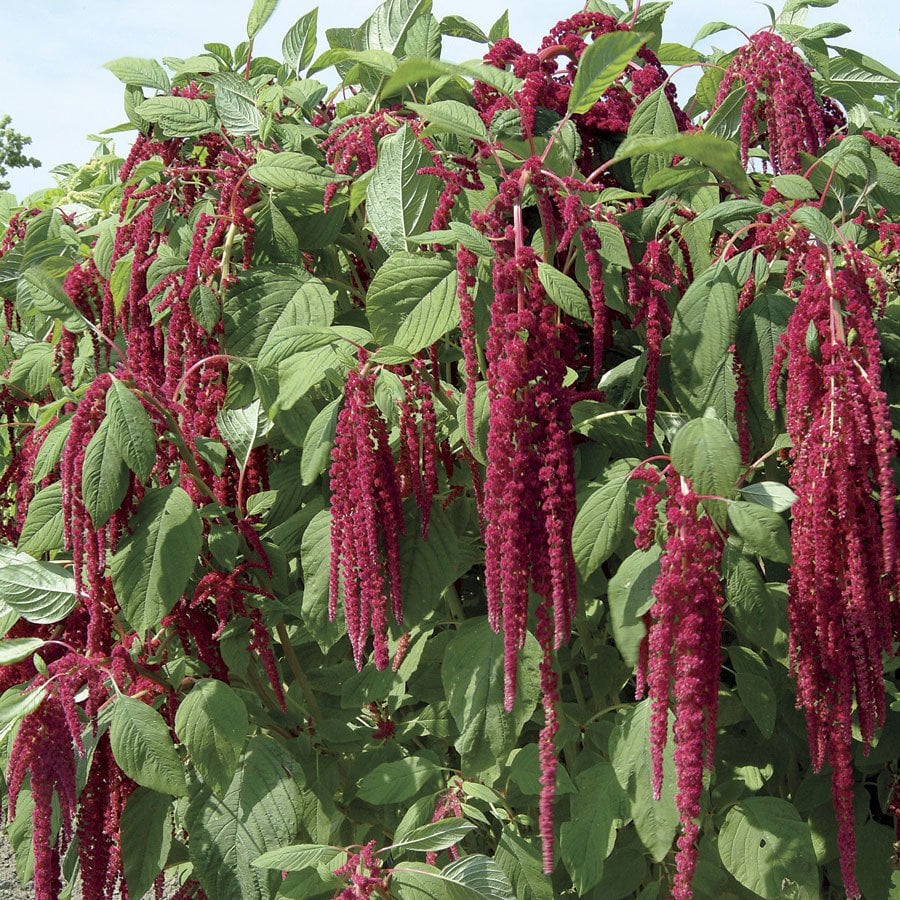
(12, 145)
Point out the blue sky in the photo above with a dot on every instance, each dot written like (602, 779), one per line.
(54, 86)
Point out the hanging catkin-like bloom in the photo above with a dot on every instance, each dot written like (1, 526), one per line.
(780, 94)
(844, 535)
(682, 658)
(366, 519)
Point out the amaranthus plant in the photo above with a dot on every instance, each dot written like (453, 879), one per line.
(456, 479)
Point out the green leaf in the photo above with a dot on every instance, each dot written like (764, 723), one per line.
(212, 723)
(710, 150)
(764, 531)
(629, 597)
(656, 821)
(500, 28)
(710, 29)
(259, 812)
(131, 430)
(143, 747)
(599, 807)
(396, 782)
(770, 494)
(40, 592)
(452, 117)
(767, 847)
(296, 857)
(242, 429)
(146, 834)
(754, 687)
(653, 116)
(434, 836)
(602, 518)
(474, 877)
(290, 171)
(140, 72)
(472, 675)
(299, 45)
(759, 613)
(564, 292)
(604, 60)
(703, 331)
(400, 202)
(43, 528)
(104, 476)
(178, 116)
(13, 650)
(15, 704)
(704, 451)
(51, 450)
(38, 289)
(152, 566)
(260, 13)
(457, 26)
(235, 101)
(817, 223)
(380, 61)
(794, 187)
(520, 858)
(386, 28)
(411, 301)
(315, 558)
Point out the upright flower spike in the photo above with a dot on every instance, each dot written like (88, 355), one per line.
(366, 519)
(682, 658)
(844, 535)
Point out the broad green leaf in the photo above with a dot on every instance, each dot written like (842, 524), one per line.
(178, 116)
(380, 61)
(759, 613)
(725, 120)
(411, 301)
(710, 29)
(564, 292)
(452, 117)
(423, 38)
(399, 201)
(38, 289)
(260, 13)
(259, 812)
(602, 517)
(104, 478)
(290, 171)
(520, 858)
(763, 530)
(40, 592)
(629, 597)
(770, 494)
(653, 116)
(143, 747)
(235, 101)
(474, 877)
(212, 723)
(818, 223)
(656, 821)
(43, 528)
(296, 857)
(457, 26)
(15, 704)
(599, 807)
(131, 430)
(242, 428)
(767, 847)
(794, 187)
(13, 650)
(152, 565)
(299, 44)
(500, 28)
(709, 150)
(386, 28)
(672, 54)
(146, 834)
(397, 782)
(604, 60)
(705, 452)
(51, 451)
(434, 836)
(703, 331)
(315, 558)
(472, 675)
(754, 687)
(140, 72)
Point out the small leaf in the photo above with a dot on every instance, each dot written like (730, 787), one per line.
(705, 452)
(260, 13)
(770, 494)
(179, 116)
(434, 836)
(500, 28)
(212, 723)
(296, 857)
(143, 747)
(763, 530)
(452, 117)
(457, 26)
(290, 171)
(140, 72)
(629, 597)
(299, 44)
(754, 687)
(817, 223)
(604, 60)
(564, 292)
(318, 442)
(794, 187)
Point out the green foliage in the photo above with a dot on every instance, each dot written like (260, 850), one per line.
(12, 151)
